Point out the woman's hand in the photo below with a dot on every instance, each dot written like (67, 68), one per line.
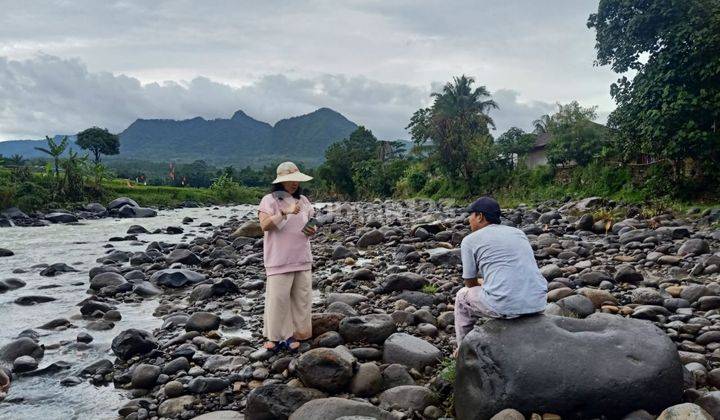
(309, 231)
(295, 209)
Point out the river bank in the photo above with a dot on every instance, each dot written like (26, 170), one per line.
(385, 274)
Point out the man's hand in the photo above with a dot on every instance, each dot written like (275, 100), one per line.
(471, 283)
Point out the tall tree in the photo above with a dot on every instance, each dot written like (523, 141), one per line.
(341, 157)
(456, 125)
(541, 124)
(55, 150)
(514, 144)
(99, 141)
(16, 160)
(574, 136)
(670, 109)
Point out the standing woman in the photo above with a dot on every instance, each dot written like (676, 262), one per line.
(283, 215)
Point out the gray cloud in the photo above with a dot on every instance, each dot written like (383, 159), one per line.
(48, 95)
(109, 62)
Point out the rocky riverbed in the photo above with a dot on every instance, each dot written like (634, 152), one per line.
(385, 274)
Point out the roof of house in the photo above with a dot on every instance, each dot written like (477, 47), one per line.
(541, 140)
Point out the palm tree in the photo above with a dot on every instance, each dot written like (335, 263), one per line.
(542, 124)
(16, 160)
(459, 100)
(55, 150)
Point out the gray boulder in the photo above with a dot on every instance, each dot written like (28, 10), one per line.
(334, 408)
(402, 281)
(277, 401)
(406, 397)
(107, 279)
(375, 328)
(23, 346)
(694, 246)
(373, 237)
(133, 342)
(325, 369)
(411, 351)
(601, 365)
(176, 277)
(61, 218)
(122, 201)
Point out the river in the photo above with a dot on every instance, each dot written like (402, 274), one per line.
(42, 397)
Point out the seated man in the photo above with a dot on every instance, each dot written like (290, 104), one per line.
(500, 256)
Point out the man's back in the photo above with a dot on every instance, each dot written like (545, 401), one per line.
(503, 257)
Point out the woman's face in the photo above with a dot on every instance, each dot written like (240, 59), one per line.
(291, 186)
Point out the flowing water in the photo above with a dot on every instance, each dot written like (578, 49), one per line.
(42, 397)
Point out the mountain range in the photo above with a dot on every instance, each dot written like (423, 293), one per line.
(238, 141)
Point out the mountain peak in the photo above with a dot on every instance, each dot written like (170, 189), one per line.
(239, 115)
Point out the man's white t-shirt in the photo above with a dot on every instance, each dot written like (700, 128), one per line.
(502, 256)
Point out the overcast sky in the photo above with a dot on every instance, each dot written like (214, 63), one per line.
(66, 65)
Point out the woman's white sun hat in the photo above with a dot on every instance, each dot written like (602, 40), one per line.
(288, 171)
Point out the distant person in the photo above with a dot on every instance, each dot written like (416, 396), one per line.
(502, 279)
(286, 218)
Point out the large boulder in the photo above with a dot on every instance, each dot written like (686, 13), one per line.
(576, 368)
(183, 256)
(133, 342)
(277, 401)
(177, 277)
(61, 217)
(122, 201)
(23, 346)
(107, 279)
(325, 369)
(695, 247)
(411, 351)
(334, 408)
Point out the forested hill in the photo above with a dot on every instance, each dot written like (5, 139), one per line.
(239, 141)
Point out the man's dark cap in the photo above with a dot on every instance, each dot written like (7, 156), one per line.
(488, 207)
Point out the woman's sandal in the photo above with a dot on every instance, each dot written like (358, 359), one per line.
(292, 345)
(273, 346)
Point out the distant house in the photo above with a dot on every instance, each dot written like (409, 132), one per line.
(538, 154)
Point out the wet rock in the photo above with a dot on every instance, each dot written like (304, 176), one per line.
(641, 370)
(23, 346)
(145, 375)
(33, 300)
(335, 408)
(176, 277)
(6, 252)
(55, 323)
(710, 402)
(324, 322)
(14, 283)
(340, 253)
(374, 328)
(56, 269)
(100, 367)
(446, 257)
(183, 256)
(202, 321)
(121, 201)
(351, 299)
(324, 369)
(410, 351)
(133, 342)
(136, 229)
(61, 218)
(594, 278)
(406, 397)
(91, 306)
(84, 337)
(107, 279)
(146, 289)
(24, 364)
(277, 401)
